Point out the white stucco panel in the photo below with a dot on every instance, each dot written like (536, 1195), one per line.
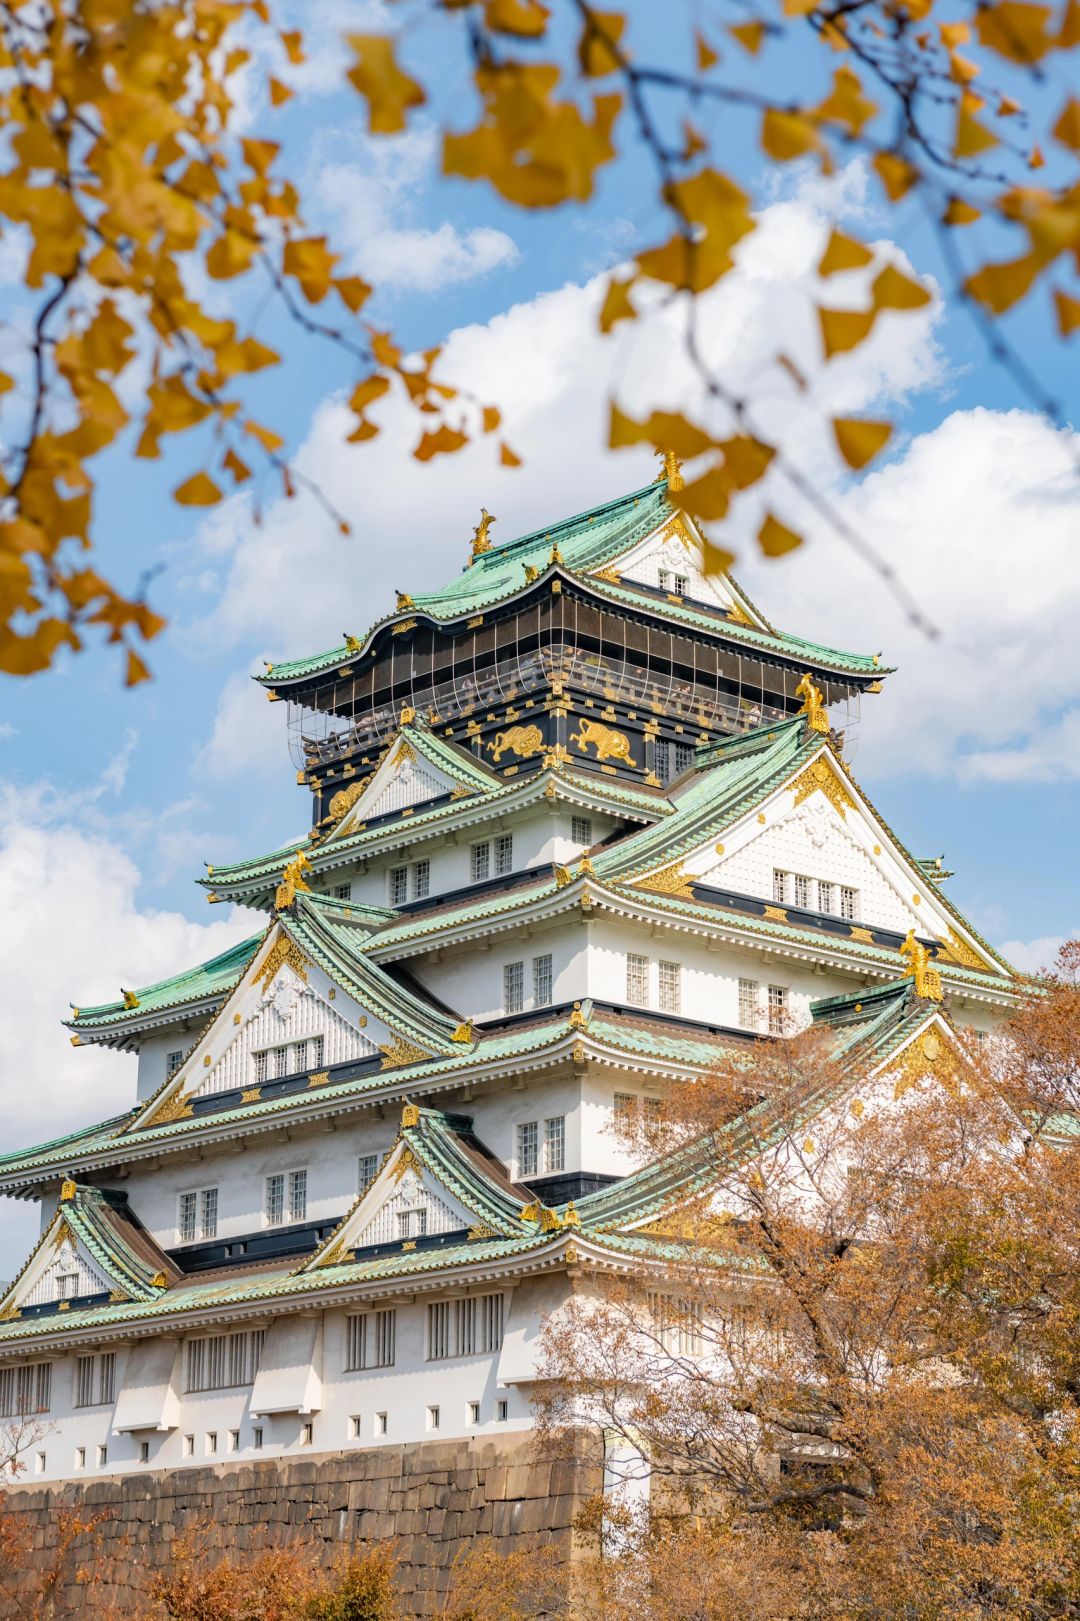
(290, 1011)
(289, 1379)
(149, 1397)
(62, 1270)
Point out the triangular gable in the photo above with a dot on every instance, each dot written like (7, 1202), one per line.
(83, 1253)
(416, 767)
(287, 1003)
(819, 826)
(673, 552)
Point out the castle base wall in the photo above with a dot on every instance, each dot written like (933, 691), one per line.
(430, 1500)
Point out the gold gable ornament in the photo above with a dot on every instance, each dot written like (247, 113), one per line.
(285, 954)
(821, 778)
(670, 880)
(927, 979)
(346, 798)
(67, 1190)
(481, 541)
(410, 1116)
(397, 1053)
(159, 1281)
(292, 881)
(813, 708)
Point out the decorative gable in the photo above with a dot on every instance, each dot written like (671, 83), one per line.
(406, 1202)
(293, 1027)
(672, 559)
(402, 779)
(66, 1272)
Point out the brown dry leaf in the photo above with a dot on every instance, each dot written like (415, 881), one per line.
(1015, 30)
(1068, 313)
(896, 174)
(617, 305)
(508, 457)
(958, 212)
(892, 290)
(707, 57)
(1067, 129)
(598, 48)
(443, 441)
(859, 440)
(136, 670)
(665, 430)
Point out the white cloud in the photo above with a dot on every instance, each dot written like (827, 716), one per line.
(374, 201)
(1030, 956)
(248, 735)
(81, 933)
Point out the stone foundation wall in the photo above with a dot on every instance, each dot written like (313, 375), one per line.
(431, 1500)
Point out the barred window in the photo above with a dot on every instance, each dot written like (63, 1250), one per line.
(208, 1207)
(848, 901)
(286, 1197)
(663, 578)
(84, 1381)
(684, 757)
(412, 1223)
(399, 885)
(581, 829)
(670, 994)
(678, 1324)
(197, 1214)
(555, 1144)
(626, 1105)
(662, 759)
(260, 1067)
(343, 892)
(172, 1064)
(825, 896)
(467, 1327)
(67, 1285)
(26, 1388)
(802, 890)
(541, 978)
(528, 1148)
(504, 854)
(421, 879)
(749, 1004)
(779, 886)
(637, 979)
(778, 1009)
(370, 1340)
(223, 1361)
(480, 862)
(367, 1171)
(513, 987)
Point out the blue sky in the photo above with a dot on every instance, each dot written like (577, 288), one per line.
(110, 800)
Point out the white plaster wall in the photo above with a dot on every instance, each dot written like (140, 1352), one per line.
(153, 1059)
(469, 978)
(404, 1392)
(449, 855)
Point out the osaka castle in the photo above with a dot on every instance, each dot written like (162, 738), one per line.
(582, 822)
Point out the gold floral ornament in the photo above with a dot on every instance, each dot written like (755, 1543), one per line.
(292, 882)
(813, 708)
(927, 979)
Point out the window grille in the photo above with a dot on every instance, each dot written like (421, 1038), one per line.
(825, 894)
(399, 885)
(555, 1144)
(197, 1214)
(208, 1208)
(527, 1148)
(637, 979)
(25, 1389)
(513, 987)
(663, 577)
(223, 1361)
(749, 991)
(84, 1381)
(779, 886)
(679, 585)
(189, 1215)
(412, 1223)
(297, 1195)
(260, 1067)
(778, 1008)
(581, 829)
(504, 854)
(670, 995)
(662, 759)
(280, 1061)
(421, 879)
(367, 1171)
(343, 892)
(67, 1285)
(172, 1064)
(275, 1200)
(480, 862)
(370, 1340)
(684, 757)
(106, 1378)
(802, 890)
(541, 976)
(848, 902)
(470, 1326)
(625, 1107)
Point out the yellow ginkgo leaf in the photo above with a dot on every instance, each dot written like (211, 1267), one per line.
(1069, 32)
(785, 136)
(1000, 286)
(490, 417)
(775, 538)
(958, 212)
(666, 430)
(197, 491)
(617, 305)
(136, 670)
(525, 19)
(233, 464)
(1068, 313)
(843, 253)
(442, 442)
(353, 291)
(508, 457)
(269, 440)
(892, 290)
(972, 137)
(860, 441)
(717, 558)
(279, 93)
(896, 174)
(598, 48)
(388, 91)
(706, 497)
(1015, 30)
(706, 57)
(749, 35)
(311, 263)
(746, 460)
(1067, 128)
(842, 330)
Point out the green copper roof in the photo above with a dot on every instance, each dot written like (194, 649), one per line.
(587, 541)
(213, 978)
(126, 1256)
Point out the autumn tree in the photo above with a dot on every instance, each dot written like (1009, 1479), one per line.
(127, 183)
(849, 1368)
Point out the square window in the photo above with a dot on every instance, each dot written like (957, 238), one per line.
(637, 979)
(670, 992)
(679, 585)
(500, 1411)
(663, 578)
(381, 1423)
(541, 978)
(749, 993)
(480, 862)
(144, 1452)
(581, 829)
(625, 1108)
(343, 892)
(684, 757)
(257, 1437)
(474, 1412)
(433, 1418)
(189, 1446)
(513, 987)
(399, 885)
(354, 1427)
(504, 854)
(528, 1146)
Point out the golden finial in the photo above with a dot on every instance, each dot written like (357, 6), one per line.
(292, 880)
(67, 1190)
(672, 470)
(464, 1031)
(159, 1281)
(813, 705)
(404, 600)
(481, 541)
(352, 643)
(130, 999)
(927, 979)
(556, 556)
(410, 1116)
(408, 715)
(531, 573)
